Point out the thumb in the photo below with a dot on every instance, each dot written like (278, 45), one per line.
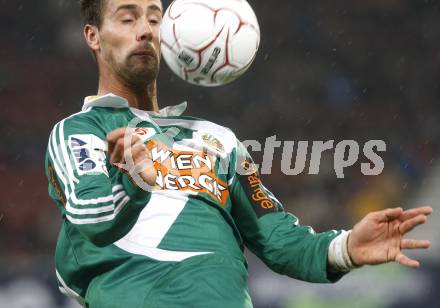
(388, 214)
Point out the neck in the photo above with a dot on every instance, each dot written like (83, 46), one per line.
(144, 98)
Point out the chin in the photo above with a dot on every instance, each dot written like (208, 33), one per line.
(142, 75)
(143, 78)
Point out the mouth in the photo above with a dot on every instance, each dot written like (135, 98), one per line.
(144, 53)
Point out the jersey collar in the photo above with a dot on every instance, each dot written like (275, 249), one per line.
(114, 101)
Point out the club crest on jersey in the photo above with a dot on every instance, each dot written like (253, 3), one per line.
(144, 132)
(213, 142)
(88, 154)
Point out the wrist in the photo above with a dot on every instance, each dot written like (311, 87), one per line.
(349, 254)
(339, 258)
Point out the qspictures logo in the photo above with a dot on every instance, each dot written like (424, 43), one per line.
(196, 169)
(346, 153)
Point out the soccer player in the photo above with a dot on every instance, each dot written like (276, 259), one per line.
(125, 243)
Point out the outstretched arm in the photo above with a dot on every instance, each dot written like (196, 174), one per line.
(295, 250)
(274, 235)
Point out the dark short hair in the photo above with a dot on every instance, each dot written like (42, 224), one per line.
(91, 11)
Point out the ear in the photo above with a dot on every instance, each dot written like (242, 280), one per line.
(91, 34)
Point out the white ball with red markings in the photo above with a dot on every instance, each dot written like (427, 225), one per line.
(209, 42)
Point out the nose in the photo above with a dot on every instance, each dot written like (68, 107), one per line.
(144, 31)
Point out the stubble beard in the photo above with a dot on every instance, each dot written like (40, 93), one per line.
(136, 75)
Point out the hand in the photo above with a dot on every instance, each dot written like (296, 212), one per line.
(135, 158)
(378, 237)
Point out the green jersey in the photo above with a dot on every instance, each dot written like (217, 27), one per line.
(201, 203)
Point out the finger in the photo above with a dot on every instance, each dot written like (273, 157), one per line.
(426, 210)
(409, 224)
(121, 166)
(114, 135)
(116, 156)
(388, 214)
(149, 176)
(148, 172)
(404, 260)
(414, 244)
(119, 152)
(138, 153)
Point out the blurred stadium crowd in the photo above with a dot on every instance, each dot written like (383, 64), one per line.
(359, 69)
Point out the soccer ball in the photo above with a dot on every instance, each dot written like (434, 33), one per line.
(209, 42)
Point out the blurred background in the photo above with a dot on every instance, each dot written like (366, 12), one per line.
(359, 69)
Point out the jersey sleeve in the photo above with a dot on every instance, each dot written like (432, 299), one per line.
(102, 205)
(271, 233)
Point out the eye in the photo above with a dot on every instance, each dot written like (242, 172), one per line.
(127, 21)
(154, 21)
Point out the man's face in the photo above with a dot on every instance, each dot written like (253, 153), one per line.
(130, 39)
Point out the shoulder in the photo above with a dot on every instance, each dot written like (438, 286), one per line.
(79, 133)
(84, 122)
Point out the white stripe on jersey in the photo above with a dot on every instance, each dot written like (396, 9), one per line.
(68, 170)
(69, 291)
(153, 224)
(59, 172)
(83, 221)
(157, 253)
(87, 211)
(71, 175)
(77, 211)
